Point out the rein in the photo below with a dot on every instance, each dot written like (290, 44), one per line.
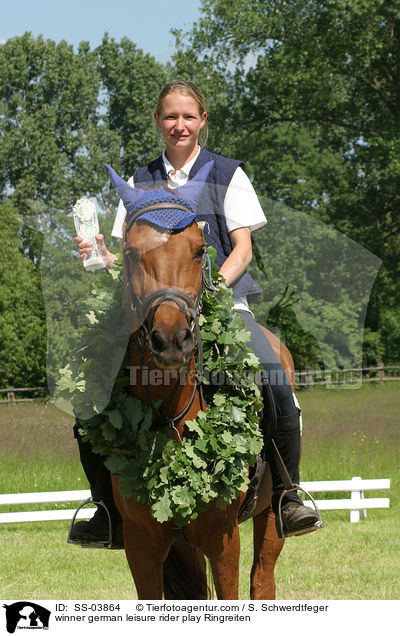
(140, 307)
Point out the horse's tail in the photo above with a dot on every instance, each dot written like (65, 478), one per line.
(185, 576)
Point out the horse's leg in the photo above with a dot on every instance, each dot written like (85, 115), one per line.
(224, 561)
(185, 575)
(146, 545)
(267, 547)
(216, 533)
(145, 560)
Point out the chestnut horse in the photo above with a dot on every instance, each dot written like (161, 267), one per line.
(164, 277)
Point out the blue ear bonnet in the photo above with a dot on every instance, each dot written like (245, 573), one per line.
(166, 209)
(168, 218)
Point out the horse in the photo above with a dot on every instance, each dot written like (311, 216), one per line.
(164, 274)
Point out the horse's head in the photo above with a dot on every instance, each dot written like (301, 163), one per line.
(163, 272)
(163, 254)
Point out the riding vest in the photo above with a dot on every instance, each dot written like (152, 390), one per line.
(210, 207)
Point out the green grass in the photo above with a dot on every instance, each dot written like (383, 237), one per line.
(346, 433)
(37, 563)
(342, 561)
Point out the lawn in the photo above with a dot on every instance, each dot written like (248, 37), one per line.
(346, 433)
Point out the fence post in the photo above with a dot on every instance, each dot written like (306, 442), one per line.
(328, 378)
(356, 495)
(309, 379)
(381, 373)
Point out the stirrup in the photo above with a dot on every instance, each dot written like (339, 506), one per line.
(318, 524)
(91, 544)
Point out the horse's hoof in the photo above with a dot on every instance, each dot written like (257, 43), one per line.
(297, 519)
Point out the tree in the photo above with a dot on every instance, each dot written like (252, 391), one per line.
(314, 99)
(62, 116)
(22, 320)
(316, 287)
(131, 82)
(54, 141)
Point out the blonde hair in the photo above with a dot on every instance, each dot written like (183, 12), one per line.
(185, 87)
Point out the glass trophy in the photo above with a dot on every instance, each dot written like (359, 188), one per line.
(87, 226)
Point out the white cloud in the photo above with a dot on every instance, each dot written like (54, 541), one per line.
(2, 41)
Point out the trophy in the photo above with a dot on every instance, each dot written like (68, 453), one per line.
(87, 226)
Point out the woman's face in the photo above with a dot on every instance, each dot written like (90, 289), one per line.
(180, 121)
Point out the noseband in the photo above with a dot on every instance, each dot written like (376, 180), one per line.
(145, 310)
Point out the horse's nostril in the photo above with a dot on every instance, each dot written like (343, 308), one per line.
(158, 340)
(184, 340)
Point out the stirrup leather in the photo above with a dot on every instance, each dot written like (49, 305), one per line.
(318, 524)
(91, 544)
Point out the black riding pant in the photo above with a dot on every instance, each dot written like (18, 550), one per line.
(287, 434)
(98, 476)
(277, 378)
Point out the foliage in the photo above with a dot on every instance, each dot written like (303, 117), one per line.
(61, 117)
(316, 290)
(305, 93)
(177, 480)
(390, 334)
(65, 285)
(97, 354)
(63, 114)
(131, 82)
(22, 325)
(313, 109)
(54, 141)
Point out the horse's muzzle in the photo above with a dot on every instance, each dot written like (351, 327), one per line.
(171, 352)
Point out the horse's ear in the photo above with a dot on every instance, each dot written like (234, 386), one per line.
(192, 189)
(128, 194)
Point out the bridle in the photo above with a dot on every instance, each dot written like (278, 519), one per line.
(144, 309)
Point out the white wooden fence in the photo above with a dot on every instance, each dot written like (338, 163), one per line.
(58, 496)
(356, 503)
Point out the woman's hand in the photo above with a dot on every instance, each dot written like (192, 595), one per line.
(240, 256)
(86, 248)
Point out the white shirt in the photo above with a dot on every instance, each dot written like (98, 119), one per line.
(241, 205)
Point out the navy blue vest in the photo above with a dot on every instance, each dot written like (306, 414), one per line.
(210, 207)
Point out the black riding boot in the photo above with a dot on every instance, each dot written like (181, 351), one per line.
(296, 517)
(96, 530)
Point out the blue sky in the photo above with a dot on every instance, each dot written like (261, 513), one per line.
(145, 22)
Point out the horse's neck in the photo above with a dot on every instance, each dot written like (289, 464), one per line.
(150, 383)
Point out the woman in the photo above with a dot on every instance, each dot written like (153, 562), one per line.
(181, 117)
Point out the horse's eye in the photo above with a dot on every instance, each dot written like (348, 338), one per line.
(132, 254)
(199, 252)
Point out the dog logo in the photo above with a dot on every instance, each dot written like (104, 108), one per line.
(26, 615)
